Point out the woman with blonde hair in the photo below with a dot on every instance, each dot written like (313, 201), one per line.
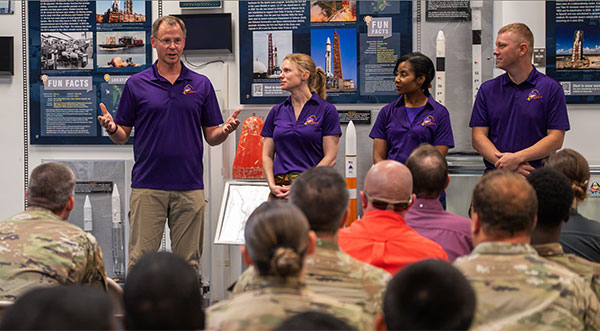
(579, 235)
(303, 131)
(278, 239)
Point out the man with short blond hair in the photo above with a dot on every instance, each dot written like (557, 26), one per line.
(520, 117)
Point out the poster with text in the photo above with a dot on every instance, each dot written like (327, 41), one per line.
(573, 48)
(80, 54)
(356, 43)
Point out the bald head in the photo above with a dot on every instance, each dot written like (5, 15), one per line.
(389, 181)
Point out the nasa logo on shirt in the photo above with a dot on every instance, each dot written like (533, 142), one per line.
(429, 120)
(534, 94)
(188, 89)
(311, 120)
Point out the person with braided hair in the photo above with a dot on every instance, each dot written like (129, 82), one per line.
(303, 131)
(278, 239)
(579, 236)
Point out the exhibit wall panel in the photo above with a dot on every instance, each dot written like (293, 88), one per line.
(11, 134)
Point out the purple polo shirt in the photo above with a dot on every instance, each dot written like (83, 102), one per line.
(452, 232)
(168, 120)
(299, 144)
(518, 116)
(430, 125)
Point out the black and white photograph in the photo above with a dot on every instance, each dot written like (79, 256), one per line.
(67, 51)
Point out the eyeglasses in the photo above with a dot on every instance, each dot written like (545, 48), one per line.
(382, 205)
(168, 41)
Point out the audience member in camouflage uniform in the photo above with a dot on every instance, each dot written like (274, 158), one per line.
(322, 195)
(555, 197)
(39, 248)
(277, 241)
(516, 288)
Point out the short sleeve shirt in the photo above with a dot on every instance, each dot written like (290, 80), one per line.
(431, 125)
(168, 120)
(299, 143)
(518, 116)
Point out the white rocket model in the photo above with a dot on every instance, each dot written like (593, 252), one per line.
(328, 71)
(440, 74)
(87, 215)
(476, 27)
(351, 171)
(117, 229)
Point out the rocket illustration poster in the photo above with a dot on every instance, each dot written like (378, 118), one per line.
(356, 43)
(573, 48)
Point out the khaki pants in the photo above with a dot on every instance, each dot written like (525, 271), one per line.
(149, 209)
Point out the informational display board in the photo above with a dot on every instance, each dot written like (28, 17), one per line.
(240, 198)
(81, 53)
(356, 43)
(573, 48)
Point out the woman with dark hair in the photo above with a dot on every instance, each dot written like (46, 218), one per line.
(278, 239)
(303, 131)
(579, 235)
(415, 117)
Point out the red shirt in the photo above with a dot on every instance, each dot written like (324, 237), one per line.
(382, 238)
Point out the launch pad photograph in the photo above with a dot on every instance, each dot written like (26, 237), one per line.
(333, 11)
(117, 11)
(269, 48)
(577, 49)
(334, 50)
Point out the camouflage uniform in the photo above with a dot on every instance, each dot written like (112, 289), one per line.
(587, 270)
(329, 271)
(519, 290)
(273, 301)
(38, 248)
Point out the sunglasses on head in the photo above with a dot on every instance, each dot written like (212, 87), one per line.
(382, 205)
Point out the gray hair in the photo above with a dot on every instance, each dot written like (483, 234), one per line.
(168, 20)
(50, 186)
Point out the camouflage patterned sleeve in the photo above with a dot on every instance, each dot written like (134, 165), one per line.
(95, 273)
(591, 310)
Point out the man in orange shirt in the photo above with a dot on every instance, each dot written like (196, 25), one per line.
(382, 238)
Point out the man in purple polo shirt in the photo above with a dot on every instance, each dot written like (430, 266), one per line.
(520, 117)
(170, 107)
(427, 216)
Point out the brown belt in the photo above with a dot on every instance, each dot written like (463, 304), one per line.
(287, 179)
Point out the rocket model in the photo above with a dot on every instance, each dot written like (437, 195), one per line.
(476, 27)
(117, 229)
(351, 171)
(87, 215)
(328, 72)
(440, 75)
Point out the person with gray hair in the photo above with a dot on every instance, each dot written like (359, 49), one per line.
(381, 237)
(39, 248)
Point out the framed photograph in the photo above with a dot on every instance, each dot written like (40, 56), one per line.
(240, 198)
(7, 7)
